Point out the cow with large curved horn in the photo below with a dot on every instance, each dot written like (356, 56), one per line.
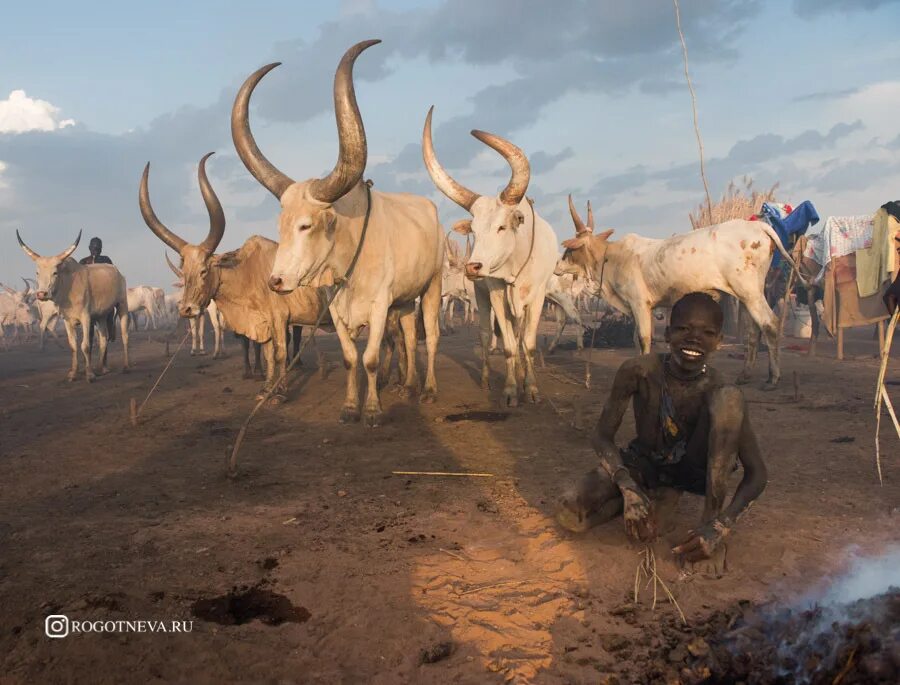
(84, 294)
(320, 227)
(513, 258)
(233, 284)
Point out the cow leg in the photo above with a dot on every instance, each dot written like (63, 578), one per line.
(268, 350)
(483, 298)
(350, 410)
(767, 323)
(431, 303)
(87, 325)
(510, 343)
(643, 328)
(103, 337)
(560, 327)
(388, 343)
(529, 343)
(296, 339)
(377, 321)
(201, 335)
(73, 345)
(123, 329)
(192, 323)
(407, 320)
(245, 348)
(279, 357)
(217, 337)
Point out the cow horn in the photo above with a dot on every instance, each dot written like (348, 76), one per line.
(8, 289)
(521, 171)
(175, 269)
(353, 151)
(261, 168)
(579, 224)
(590, 217)
(27, 287)
(461, 195)
(151, 219)
(213, 207)
(31, 253)
(65, 254)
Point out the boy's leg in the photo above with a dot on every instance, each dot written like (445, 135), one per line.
(595, 500)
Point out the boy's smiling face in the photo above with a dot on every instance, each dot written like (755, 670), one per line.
(694, 333)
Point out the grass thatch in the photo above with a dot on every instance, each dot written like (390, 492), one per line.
(736, 203)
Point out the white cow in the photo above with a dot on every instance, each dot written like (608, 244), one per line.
(16, 311)
(47, 315)
(560, 294)
(320, 227)
(637, 274)
(198, 323)
(143, 298)
(84, 294)
(455, 287)
(513, 258)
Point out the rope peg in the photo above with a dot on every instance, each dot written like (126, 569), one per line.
(133, 412)
(587, 375)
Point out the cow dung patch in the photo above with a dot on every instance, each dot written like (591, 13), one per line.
(246, 604)
(486, 416)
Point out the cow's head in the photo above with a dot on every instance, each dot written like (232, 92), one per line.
(495, 219)
(48, 268)
(21, 299)
(199, 266)
(585, 253)
(306, 226)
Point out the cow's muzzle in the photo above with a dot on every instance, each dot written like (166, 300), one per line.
(42, 295)
(473, 270)
(188, 311)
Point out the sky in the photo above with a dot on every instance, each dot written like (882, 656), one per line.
(804, 93)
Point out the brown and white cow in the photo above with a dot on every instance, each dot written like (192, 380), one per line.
(320, 227)
(636, 274)
(235, 281)
(513, 257)
(84, 293)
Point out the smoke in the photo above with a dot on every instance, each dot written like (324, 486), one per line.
(866, 576)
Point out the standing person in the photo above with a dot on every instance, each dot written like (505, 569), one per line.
(95, 247)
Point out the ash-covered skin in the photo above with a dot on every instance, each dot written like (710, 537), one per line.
(713, 422)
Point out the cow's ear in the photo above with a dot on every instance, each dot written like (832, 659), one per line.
(517, 218)
(574, 243)
(605, 235)
(328, 216)
(228, 260)
(463, 226)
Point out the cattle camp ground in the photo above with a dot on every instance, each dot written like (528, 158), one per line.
(324, 437)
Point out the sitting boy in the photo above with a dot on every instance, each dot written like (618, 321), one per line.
(690, 429)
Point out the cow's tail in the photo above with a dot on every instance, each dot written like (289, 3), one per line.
(784, 253)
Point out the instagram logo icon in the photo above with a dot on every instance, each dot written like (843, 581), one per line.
(56, 626)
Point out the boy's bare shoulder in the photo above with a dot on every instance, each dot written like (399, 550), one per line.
(641, 365)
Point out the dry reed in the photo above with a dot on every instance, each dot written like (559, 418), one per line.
(736, 203)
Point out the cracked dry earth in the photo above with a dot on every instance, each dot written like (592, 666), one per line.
(317, 565)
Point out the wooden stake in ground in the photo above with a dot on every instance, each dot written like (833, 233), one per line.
(881, 392)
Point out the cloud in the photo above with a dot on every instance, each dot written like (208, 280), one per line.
(824, 95)
(20, 114)
(814, 8)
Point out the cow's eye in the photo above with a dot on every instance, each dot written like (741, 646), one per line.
(204, 271)
(500, 228)
(304, 227)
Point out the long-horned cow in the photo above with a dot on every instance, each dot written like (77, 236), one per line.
(84, 294)
(320, 226)
(512, 260)
(48, 315)
(236, 281)
(636, 274)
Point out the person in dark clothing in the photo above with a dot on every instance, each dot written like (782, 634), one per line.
(692, 431)
(95, 247)
(892, 296)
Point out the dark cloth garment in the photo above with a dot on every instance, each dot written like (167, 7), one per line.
(892, 208)
(790, 227)
(643, 467)
(90, 259)
(893, 291)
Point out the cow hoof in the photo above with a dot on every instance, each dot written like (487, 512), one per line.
(512, 399)
(193, 353)
(429, 396)
(90, 378)
(406, 391)
(248, 374)
(349, 415)
(769, 386)
(201, 353)
(70, 377)
(742, 379)
(276, 399)
(533, 395)
(374, 419)
(485, 384)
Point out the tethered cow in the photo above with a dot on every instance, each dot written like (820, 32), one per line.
(321, 226)
(513, 258)
(236, 281)
(84, 294)
(636, 274)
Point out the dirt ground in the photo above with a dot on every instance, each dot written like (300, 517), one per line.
(358, 575)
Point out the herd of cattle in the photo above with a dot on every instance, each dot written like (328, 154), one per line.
(350, 257)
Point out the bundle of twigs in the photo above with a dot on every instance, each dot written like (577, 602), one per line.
(647, 569)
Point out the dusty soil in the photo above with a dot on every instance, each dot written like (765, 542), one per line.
(316, 564)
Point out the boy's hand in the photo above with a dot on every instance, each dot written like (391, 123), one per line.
(639, 523)
(701, 543)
